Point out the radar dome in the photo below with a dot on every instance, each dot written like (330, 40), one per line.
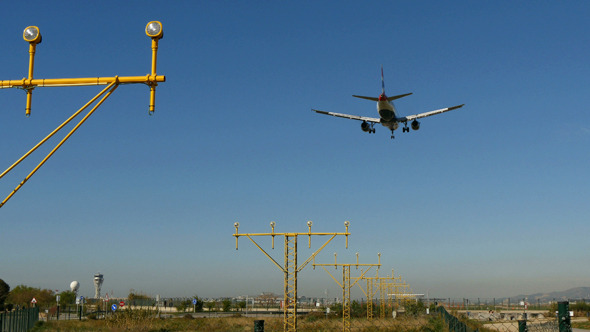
(74, 286)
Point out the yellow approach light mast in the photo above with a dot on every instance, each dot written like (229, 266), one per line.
(347, 284)
(32, 35)
(291, 268)
(381, 285)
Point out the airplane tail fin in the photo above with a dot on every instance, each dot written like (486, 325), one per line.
(382, 81)
(383, 92)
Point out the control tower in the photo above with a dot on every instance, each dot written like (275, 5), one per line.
(98, 279)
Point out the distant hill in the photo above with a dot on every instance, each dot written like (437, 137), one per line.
(570, 294)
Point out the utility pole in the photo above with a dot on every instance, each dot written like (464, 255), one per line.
(290, 267)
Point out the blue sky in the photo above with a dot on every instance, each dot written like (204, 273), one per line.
(487, 201)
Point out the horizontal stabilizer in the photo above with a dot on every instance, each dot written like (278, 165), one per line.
(398, 96)
(367, 98)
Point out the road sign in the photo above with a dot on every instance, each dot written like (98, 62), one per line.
(121, 304)
(34, 300)
(194, 301)
(114, 307)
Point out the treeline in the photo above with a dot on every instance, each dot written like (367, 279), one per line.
(580, 307)
(21, 296)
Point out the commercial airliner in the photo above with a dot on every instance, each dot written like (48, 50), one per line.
(388, 116)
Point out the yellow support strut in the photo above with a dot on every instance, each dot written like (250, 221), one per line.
(291, 267)
(33, 36)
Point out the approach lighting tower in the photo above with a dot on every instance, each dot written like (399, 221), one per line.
(381, 285)
(290, 268)
(32, 35)
(346, 284)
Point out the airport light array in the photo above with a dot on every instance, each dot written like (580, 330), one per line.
(33, 36)
(291, 267)
(346, 284)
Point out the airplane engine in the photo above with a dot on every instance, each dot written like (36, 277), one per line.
(366, 127)
(415, 125)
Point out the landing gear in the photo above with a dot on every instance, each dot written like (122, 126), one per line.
(392, 137)
(368, 127)
(405, 129)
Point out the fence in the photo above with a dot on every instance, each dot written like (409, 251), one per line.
(507, 321)
(19, 320)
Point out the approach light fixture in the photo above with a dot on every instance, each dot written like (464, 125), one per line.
(154, 29)
(309, 223)
(347, 223)
(32, 35)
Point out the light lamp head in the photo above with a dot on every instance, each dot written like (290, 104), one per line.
(32, 35)
(154, 30)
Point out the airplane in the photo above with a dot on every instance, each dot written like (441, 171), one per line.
(388, 116)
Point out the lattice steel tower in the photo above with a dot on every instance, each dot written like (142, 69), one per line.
(347, 284)
(291, 267)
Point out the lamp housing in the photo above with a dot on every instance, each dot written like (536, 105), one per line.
(154, 29)
(32, 34)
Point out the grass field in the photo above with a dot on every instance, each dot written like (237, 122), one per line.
(142, 322)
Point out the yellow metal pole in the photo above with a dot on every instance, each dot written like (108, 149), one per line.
(33, 36)
(290, 284)
(32, 48)
(60, 144)
(56, 130)
(369, 299)
(346, 298)
(81, 81)
(154, 54)
(291, 267)
(153, 85)
(346, 285)
(264, 252)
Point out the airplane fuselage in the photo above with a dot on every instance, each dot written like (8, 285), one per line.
(387, 112)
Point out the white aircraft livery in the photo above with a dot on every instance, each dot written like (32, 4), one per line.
(387, 113)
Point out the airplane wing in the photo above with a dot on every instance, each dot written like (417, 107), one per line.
(348, 116)
(423, 115)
